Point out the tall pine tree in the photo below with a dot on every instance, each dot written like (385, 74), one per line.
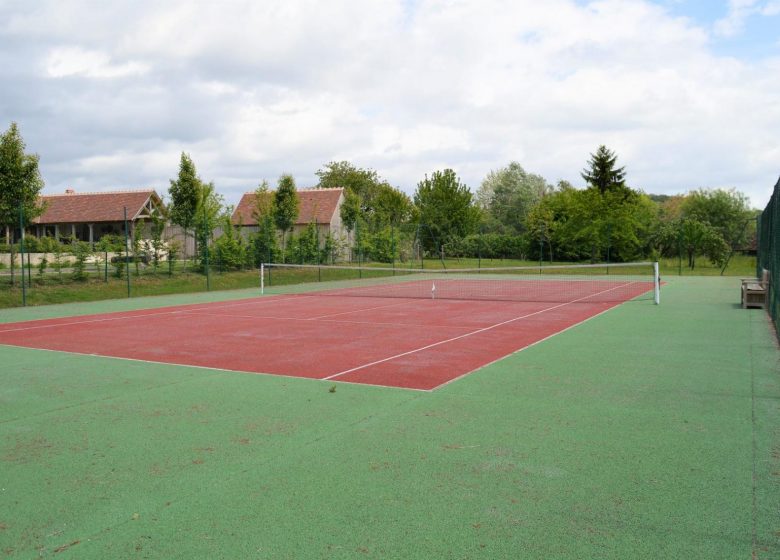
(602, 174)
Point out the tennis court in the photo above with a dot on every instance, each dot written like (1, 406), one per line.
(413, 330)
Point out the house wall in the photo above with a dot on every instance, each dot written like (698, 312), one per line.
(81, 230)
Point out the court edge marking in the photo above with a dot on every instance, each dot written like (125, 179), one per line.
(211, 368)
(461, 376)
(104, 319)
(526, 347)
(402, 354)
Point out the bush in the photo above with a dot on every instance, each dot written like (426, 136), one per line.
(488, 246)
(81, 251)
(380, 246)
(263, 245)
(304, 249)
(230, 251)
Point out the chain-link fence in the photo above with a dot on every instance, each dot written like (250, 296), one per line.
(769, 252)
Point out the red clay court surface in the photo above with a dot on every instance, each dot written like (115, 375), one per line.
(395, 342)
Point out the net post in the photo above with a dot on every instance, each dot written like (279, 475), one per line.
(656, 284)
(262, 279)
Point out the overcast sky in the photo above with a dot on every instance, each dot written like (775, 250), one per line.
(687, 92)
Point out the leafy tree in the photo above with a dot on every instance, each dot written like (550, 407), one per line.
(584, 224)
(81, 250)
(382, 246)
(263, 244)
(367, 196)
(285, 206)
(693, 237)
(136, 246)
(263, 204)
(184, 192)
(46, 247)
(332, 248)
(602, 174)
(305, 249)
(670, 208)
(489, 246)
(342, 174)
(350, 210)
(726, 210)
(58, 252)
(20, 180)
(508, 195)
(229, 248)
(116, 244)
(445, 206)
(547, 218)
(208, 210)
(390, 207)
(172, 252)
(157, 245)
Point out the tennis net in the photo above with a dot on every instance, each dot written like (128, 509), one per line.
(556, 284)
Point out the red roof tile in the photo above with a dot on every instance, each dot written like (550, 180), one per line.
(92, 207)
(315, 205)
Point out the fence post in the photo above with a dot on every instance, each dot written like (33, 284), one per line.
(13, 268)
(479, 247)
(392, 245)
(679, 253)
(21, 252)
(127, 254)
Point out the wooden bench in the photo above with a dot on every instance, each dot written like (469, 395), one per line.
(755, 291)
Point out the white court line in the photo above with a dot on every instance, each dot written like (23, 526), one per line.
(140, 316)
(360, 310)
(340, 321)
(402, 354)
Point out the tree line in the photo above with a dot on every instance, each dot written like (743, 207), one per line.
(512, 214)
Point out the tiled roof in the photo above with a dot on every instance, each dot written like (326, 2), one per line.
(315, 205)
(92, 207)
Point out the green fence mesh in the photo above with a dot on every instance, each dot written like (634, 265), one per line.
(769, 251)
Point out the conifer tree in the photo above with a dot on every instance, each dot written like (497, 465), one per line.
(601, 172)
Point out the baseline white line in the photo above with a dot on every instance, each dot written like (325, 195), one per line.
(402, 354)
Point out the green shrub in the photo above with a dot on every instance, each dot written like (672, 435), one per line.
(230, 251)
(81, 251)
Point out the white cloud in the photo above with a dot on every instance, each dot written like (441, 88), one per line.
(254, 89)
(75, 61)
(771, 8)
(740, 11)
